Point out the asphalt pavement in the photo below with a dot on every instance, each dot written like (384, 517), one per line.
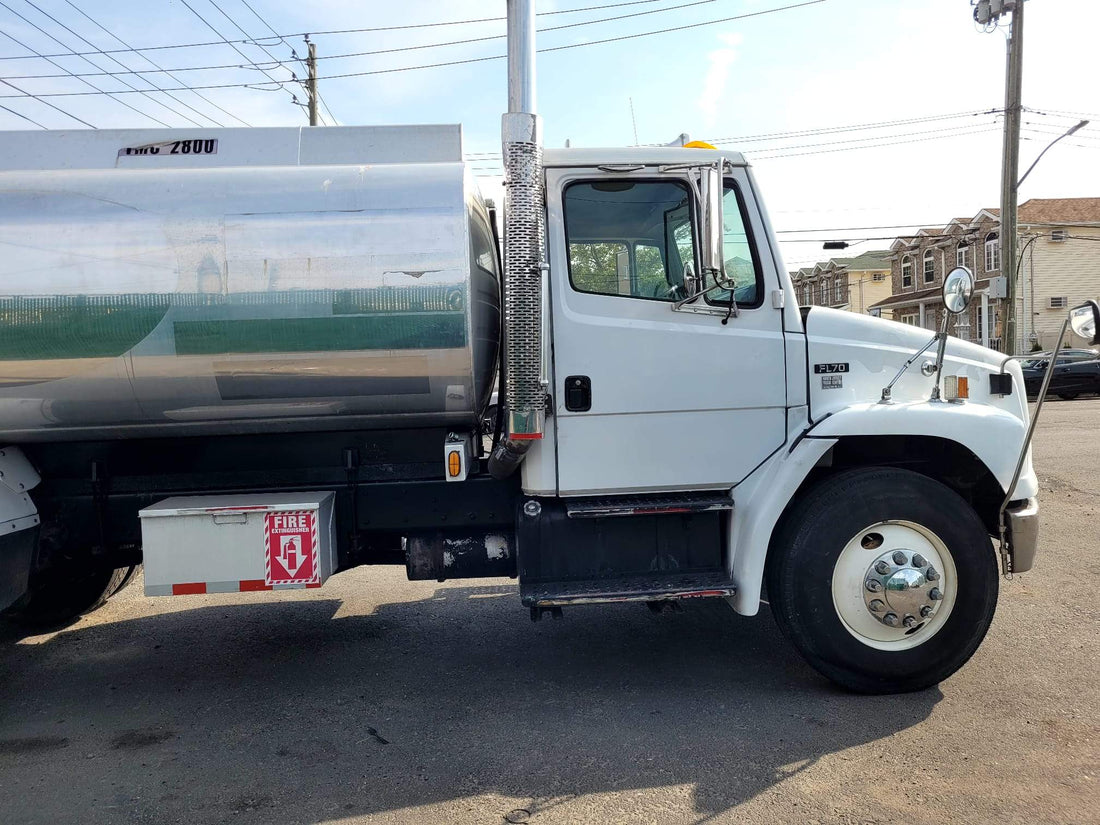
(378, 700)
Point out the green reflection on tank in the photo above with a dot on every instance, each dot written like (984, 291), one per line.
(56, 327)
(434, 330)
(61, 327)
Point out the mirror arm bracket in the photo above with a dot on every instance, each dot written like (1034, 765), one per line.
(942, 336)
(886, 399)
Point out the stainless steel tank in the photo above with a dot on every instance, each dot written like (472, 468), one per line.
(270, 279)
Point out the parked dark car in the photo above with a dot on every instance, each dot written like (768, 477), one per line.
(1076, 372)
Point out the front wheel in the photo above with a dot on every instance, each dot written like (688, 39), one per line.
(884, 579)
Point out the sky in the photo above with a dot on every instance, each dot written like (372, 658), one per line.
(834, 71)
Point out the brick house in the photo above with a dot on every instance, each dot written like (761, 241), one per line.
(1059, 267)
(853, 284)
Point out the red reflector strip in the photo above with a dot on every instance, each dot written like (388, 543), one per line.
(189, 589)
(525, 436)
(313, 586)
(250, 585)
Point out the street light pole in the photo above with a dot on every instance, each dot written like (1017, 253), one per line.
(1065, 134)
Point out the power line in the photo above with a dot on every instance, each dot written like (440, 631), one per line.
(293, 53)
(209, 25)
(159, 67)
(284, 37)
(17, 114)
(876, 145)
(481, 59)
(393, 50)
(47, 103)
(825, 130)
(966, 131)
(58, 65)
(88, 42)
(906, 137)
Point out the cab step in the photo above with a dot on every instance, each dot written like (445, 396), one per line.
(648, 504)
(640, 588)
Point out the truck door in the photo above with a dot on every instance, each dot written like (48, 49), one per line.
(647, 398)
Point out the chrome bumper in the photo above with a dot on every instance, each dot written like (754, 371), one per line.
(1022, 532)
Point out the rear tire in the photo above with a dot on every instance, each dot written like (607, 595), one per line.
(825, 553)
(60, 598)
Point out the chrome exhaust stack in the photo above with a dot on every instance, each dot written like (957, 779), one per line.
(524, 248)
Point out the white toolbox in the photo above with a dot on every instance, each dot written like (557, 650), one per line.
(237, 543)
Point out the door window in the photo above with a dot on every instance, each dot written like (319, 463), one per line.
(629, 238)
(636, 239)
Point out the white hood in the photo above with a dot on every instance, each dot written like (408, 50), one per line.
(865, 353)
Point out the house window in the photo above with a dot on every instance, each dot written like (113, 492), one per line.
(824, 291)
(879, 276)
(929, 267)
(910, 318)
(962, 255)
(807, 299)
(838, 291)
(987, 324)
(906, 271)
(992, 253)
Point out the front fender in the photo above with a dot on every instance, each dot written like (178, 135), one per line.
(993, 435)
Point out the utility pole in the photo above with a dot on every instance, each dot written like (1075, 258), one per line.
(311, 62)
(1010, 168)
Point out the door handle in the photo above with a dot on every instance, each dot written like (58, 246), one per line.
(578, 393)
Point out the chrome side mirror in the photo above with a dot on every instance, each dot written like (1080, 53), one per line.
(958, 289)
(711, 190)
(1084, 320)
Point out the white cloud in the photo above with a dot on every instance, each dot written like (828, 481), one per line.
(714, 84)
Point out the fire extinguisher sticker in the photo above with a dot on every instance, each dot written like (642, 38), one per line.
(291, 548)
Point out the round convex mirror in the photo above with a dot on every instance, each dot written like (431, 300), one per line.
(1084, 320)
(958, 287)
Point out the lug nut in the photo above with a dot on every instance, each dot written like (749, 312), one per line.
(918, 560)
(899, 557)
(877, 605)
(882, 568)
(532, 509)
(926, 611)
(874, 585)
(932, 574)
(934, 594)
(909, 621)
(890, 620)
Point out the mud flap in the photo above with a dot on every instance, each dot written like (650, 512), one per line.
(18, 524)
(16, 554)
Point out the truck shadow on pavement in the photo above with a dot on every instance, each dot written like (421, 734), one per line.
(294, 712)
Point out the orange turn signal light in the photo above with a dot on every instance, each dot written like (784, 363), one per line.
(956, 387)
(454, 464)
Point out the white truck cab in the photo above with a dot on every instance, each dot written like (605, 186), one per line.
(269, 358)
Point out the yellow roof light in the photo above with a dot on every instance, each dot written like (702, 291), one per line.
(699, 144)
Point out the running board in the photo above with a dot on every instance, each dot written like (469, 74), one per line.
(644, 588)
(648, 504)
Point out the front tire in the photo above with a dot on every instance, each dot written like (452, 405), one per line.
(851, 575)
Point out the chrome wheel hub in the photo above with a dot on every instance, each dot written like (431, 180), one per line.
(894, 585)
(900, 589)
